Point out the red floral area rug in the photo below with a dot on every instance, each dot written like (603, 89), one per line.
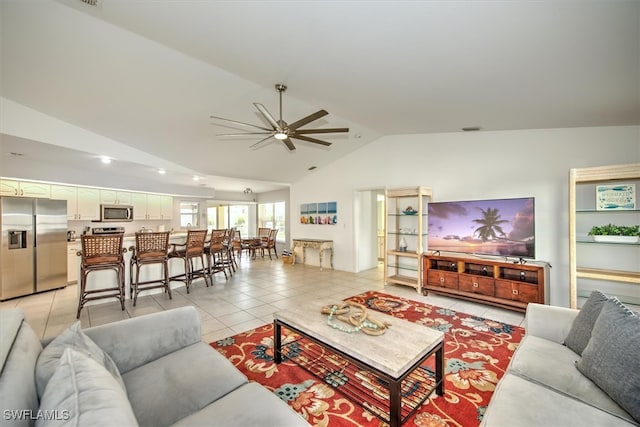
(477, 352)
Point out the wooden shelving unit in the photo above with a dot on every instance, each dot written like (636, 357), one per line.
(402, 263)
(498, 283)
(586, 257)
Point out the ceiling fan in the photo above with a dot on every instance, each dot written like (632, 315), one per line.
(280, 129)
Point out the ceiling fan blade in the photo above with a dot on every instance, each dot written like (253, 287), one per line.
(244, 133)
(267, 115)
(332, 130)
(240, 123)
(289, 144)
(308, 119)
(259, 142)
(306, 138)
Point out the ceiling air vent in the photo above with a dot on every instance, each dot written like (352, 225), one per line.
(91, 2)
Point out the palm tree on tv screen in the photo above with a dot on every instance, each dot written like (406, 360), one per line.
(490, 225)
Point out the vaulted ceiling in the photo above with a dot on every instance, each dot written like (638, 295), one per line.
(142, 78)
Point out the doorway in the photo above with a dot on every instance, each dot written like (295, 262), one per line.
(369, 228)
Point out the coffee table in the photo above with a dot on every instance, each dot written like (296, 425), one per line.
(392, 361)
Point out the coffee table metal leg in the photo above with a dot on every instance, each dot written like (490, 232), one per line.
(440, 371)
(395, 400)
(277, 338)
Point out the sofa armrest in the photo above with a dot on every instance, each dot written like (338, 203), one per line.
(549, 322)
(134, 342)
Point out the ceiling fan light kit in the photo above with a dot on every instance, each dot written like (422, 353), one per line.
(280, 129)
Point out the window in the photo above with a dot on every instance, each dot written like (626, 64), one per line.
(189, 214)
(239, 219)
(212, 218)
(272, 215)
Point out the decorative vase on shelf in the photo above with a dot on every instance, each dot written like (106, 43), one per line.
(403, 245)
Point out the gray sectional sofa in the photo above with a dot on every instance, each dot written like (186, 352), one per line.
(151, 370)
(545, 383)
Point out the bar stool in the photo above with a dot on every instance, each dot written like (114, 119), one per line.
(101, 252)
(217, 254)
(150, 248)
(193, 249)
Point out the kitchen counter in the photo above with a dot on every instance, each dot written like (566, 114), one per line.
(101, 279)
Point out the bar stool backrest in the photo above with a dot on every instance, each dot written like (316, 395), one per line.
(102, 249)
(195, 242)
(152, 245)
(217, 239)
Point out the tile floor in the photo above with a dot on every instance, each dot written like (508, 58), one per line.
(247, 300)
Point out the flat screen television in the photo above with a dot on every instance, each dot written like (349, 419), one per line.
(502, 227)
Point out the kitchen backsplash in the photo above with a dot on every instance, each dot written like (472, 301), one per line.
(129, 227)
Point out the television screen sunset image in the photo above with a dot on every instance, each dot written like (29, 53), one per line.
(503, 227)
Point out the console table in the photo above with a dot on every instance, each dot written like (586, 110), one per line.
(320, 244)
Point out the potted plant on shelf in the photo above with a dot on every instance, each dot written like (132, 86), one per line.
(615, 233)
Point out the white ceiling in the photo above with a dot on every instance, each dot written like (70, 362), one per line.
(148, 74)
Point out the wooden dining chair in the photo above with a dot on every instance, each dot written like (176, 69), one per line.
(270, 244)
(263, 234)
(239, 246)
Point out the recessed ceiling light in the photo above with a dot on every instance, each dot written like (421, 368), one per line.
(196, 178)
(311, 168)
(106, 160)
(13, 153)
(471, 128)
(162, 171)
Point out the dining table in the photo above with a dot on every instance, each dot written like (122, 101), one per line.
(252, 243)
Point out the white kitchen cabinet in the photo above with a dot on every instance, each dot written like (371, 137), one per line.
(139, 203)
(82, 203)
(152, 206)
(70, 194)
(113, 197)
(10, 187)
(88, 203)
(166, 204)
(72, 262)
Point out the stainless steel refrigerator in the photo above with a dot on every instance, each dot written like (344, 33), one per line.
(33, 256)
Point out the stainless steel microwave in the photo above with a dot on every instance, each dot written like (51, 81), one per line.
(113, 213)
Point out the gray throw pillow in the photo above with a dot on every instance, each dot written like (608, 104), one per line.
(82, 393)
(75, 338)
(580, 331)
(611, 358)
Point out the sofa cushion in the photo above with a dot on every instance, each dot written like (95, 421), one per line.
(188, 380)
(81, 392)
(266, 409)
(20, 349)
(611, 358)
(72, 337)
(553, 366)
(518, 402)
(582, 326)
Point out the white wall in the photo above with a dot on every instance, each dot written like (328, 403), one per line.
(467, 166)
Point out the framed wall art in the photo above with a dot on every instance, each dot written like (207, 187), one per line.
(615, 197)
(322, 213)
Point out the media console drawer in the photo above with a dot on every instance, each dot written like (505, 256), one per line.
(477, 284)
(443, 279)
(516, 291)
